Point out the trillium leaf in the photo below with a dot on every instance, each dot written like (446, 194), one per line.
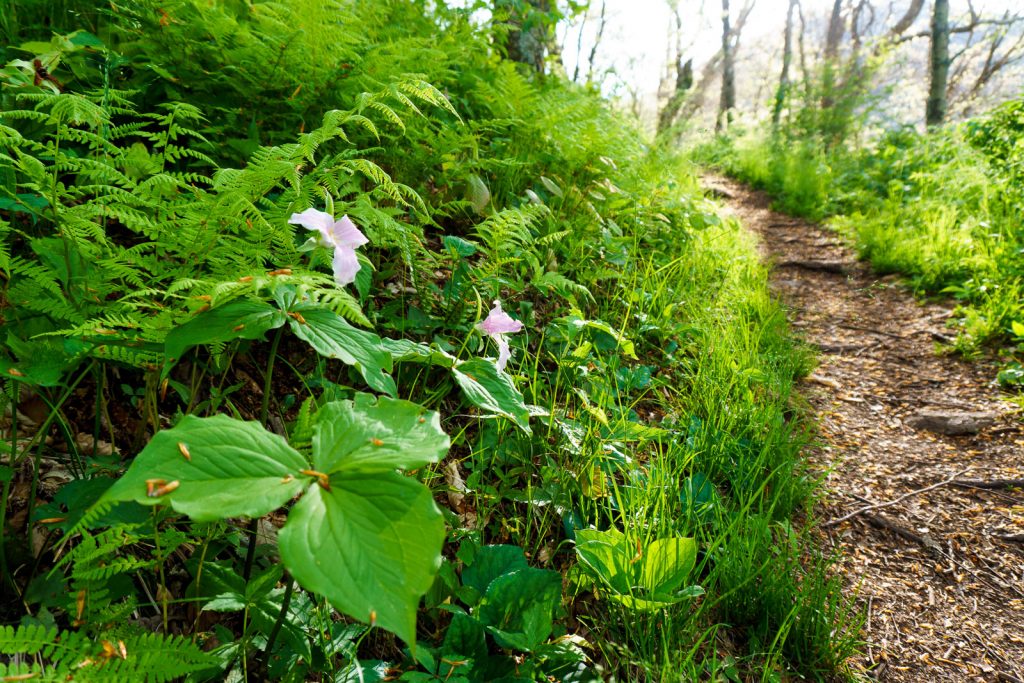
(222, 468)
(414, 352)
(373, 434)
(491, 391)
(244, 319)
(332, 336)
(371, 545)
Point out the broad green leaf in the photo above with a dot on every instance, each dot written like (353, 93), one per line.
(465, 636)
(642, 578)
(492, 391)
(371, 545)
(1018, 328)
(575, 325)
(518, 607)
(405, 350)
(604, 556)
(243, 319)
(332, 336)
(376, 434)
(666, 564)
(490, 562)
(698, 495)
(232, 469)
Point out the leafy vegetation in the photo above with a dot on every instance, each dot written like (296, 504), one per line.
(942, 207)
(372, 495)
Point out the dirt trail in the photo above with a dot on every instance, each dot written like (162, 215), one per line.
(941, 572)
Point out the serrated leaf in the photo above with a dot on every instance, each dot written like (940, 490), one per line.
(233, 469)
(491, 391)
(332, 336)
(371, 545)
(380, 435)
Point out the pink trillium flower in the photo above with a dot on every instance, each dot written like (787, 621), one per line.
(342, 236)
(496, 325)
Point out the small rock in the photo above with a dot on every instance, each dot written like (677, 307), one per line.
(951, 422)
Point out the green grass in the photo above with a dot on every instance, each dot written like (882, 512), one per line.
(943, 209)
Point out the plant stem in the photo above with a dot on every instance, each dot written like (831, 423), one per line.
(7, 486)
(269, 376)
(276, 630)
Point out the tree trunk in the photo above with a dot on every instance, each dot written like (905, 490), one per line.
(727, 102)
(935, 113)
(683, 80)
(836, 29)
(528, 38)
(602, 21)
(787, 58)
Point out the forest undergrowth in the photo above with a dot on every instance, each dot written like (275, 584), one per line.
(944, 208)
(338, 347)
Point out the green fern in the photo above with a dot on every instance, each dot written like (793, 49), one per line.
(73, 655)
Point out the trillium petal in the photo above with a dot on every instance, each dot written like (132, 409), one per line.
(321, 221)
(346, 234)
(504, 353)
(346, 265)
(499, 322)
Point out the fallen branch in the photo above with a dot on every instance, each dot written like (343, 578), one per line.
(1013, 538)
(880, 522)
(878, 506)
(989, 484)
(848, 326)
(840, 267)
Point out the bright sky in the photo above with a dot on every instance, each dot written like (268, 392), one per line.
(637, 33)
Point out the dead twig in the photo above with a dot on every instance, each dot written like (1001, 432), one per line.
(838, 267)
(927, 542)
(860, 328)
(878, 506)
(988, 484)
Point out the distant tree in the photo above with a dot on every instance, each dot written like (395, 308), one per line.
(787, 58)
(529, 33)
(935, 112)
(727, 101)
(682, 79)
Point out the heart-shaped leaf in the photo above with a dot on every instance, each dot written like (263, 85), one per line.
(371, 545)
(213, 468)
(373, 434)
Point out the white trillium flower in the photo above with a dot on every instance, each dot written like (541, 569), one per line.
(342, 236)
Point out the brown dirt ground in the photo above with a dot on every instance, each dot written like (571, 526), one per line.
(940, 573)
